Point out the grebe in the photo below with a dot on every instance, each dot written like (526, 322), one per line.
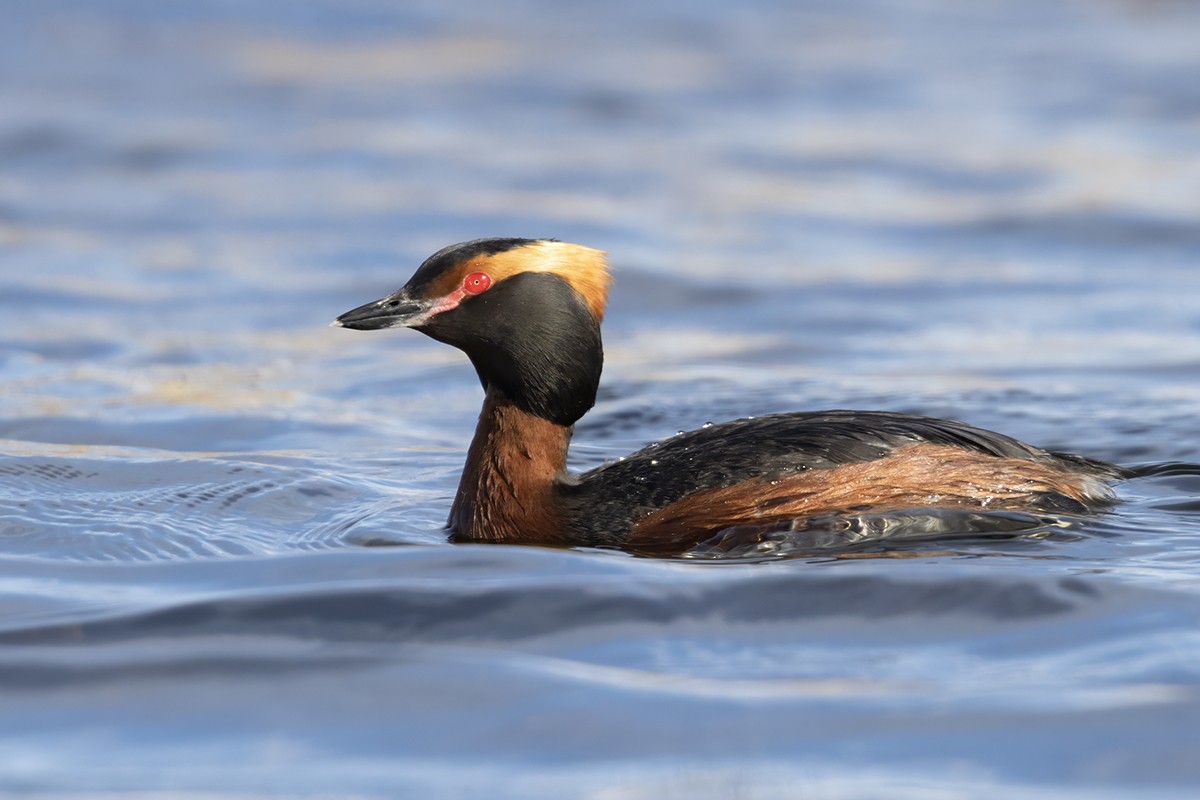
(527, 313)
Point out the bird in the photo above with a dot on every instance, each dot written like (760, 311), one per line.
(527, 314)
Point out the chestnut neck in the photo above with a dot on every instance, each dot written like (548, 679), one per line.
(509, 490)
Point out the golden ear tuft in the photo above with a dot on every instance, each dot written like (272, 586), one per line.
(584, 268)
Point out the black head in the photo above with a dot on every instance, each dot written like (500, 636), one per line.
(526, 311)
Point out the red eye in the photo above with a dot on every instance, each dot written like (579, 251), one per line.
(477, 282)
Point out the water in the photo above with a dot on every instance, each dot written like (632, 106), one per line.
(222, 568)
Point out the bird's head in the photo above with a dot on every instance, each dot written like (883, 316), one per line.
(526, 312)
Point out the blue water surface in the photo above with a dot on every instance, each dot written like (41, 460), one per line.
(222, 567)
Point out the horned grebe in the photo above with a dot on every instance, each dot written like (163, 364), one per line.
(527, 313)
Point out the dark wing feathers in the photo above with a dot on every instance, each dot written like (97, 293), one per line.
(778, 444)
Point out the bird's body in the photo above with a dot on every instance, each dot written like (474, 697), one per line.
(528, 312)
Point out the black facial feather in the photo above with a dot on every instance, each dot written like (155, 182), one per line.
(533, 337)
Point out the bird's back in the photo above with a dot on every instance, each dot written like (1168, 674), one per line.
(779, 449)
